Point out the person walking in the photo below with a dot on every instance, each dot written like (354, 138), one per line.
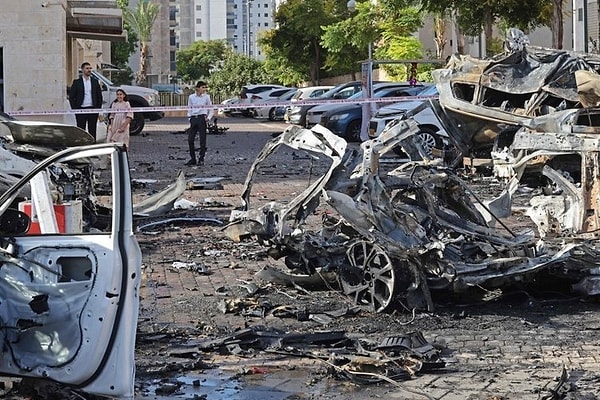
(86, 93)
(199, 113)
(118, 122)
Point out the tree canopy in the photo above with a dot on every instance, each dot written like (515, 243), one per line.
(120, 52)
(297, 38)
(198, 60)
(235, 71)
(476, 16)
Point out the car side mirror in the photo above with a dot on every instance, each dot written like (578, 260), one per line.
(14, 222)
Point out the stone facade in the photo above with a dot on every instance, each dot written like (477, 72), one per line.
(42, 44)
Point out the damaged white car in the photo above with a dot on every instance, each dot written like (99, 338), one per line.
(68, 294)
(393, 236)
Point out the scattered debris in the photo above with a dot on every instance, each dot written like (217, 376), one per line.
(178, 221)
(162, 202)
(212, 183)
(191, 266)
(361, 360)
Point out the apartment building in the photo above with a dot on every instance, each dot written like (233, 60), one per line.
(42, 45)
(182, 22)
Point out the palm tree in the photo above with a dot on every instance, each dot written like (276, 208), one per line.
(141, 21)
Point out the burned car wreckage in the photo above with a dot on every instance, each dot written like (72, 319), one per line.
(396, 236)
(482, 98)
(68, 291)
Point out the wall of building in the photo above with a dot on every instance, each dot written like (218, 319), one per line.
(210, 20)
(34, 57)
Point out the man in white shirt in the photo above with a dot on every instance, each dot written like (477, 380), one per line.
(200, 111)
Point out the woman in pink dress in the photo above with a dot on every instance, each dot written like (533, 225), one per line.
(118, 125)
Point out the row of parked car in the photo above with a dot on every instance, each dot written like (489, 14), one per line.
(345, 118)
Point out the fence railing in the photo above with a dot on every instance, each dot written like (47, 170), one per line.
(174, 99)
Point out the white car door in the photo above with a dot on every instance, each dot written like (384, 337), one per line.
(68, 294)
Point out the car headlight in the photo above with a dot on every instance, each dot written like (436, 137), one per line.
(153, 99)
(337, 117)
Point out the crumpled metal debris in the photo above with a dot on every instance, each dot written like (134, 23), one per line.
(480, 98)
(191, 266)
(161, 202)
(400, 235)
(362, 360)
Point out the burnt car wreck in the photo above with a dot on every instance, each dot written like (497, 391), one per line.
(482, 98)
(395, 237)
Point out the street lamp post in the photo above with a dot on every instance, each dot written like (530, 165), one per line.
(367, 85)
(248, 37)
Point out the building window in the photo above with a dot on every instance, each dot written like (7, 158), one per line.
(266, 15)
(198, 34)
(198, 7)
(266, 24)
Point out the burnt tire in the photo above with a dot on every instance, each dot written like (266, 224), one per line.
(272, 116)
(353, 131)
(137, 124)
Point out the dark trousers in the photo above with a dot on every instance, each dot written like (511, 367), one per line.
(87, 119)
(197, 126)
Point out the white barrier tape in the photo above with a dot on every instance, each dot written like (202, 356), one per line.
(225, 106)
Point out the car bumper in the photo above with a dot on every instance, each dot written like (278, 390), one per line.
(154, 115)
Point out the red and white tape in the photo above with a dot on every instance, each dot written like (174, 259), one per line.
(236, 106)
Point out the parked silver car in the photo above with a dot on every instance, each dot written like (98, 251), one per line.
(432, 133)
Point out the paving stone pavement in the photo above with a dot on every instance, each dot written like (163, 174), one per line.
(489, 362)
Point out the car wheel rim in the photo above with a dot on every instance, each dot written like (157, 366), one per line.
(354, 132)
(369, 278)
(427, 141)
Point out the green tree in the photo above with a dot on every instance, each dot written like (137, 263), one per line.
(120, 52)
(141, 21)
(348, 40)
(235, 71)
(297, 38)
(199, 59)
(476, 16)
(386, 27)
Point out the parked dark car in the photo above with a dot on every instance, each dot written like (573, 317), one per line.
(296, 114)
(345, 120)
